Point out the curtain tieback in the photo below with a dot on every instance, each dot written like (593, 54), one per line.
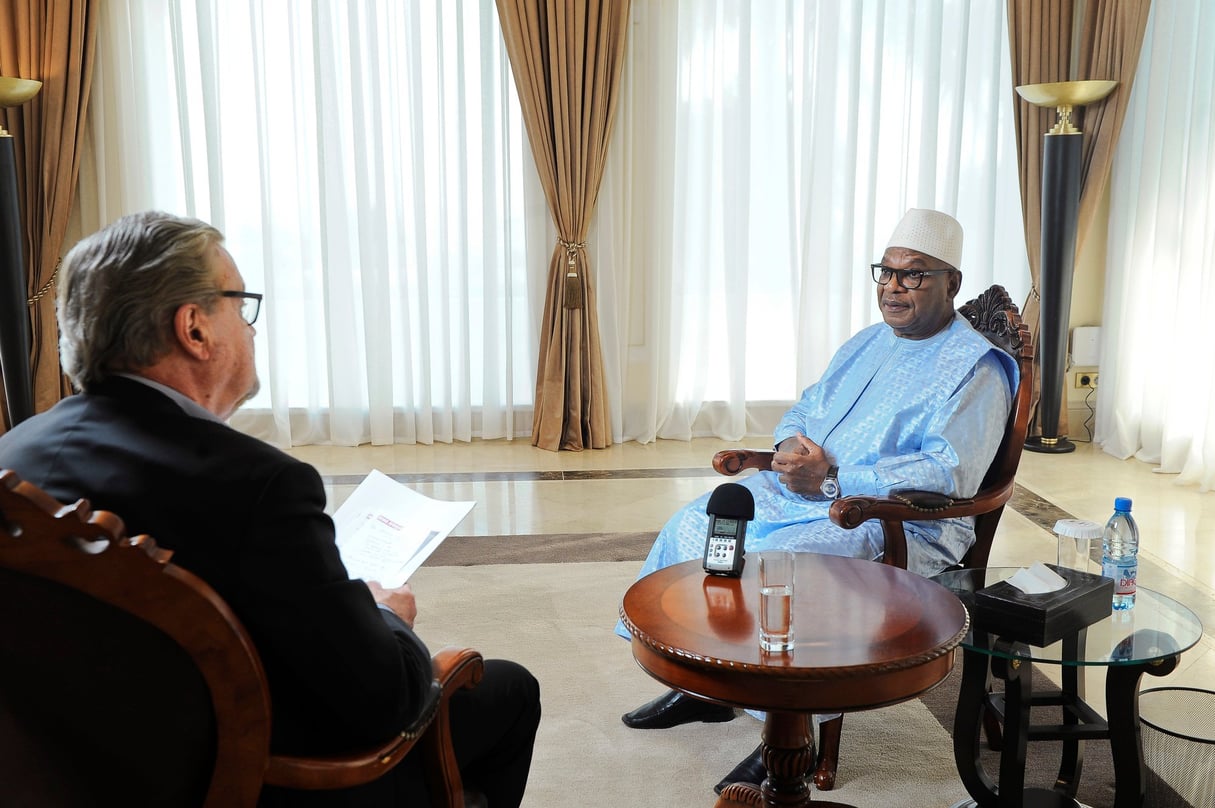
(573, 289)
(46, 287)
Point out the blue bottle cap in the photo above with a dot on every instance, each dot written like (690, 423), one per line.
(1122, 503)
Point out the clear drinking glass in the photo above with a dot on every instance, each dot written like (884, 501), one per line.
(1077, 537)
(776, 600)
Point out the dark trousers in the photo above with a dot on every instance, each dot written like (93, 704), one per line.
(493, 728)
(493, 731)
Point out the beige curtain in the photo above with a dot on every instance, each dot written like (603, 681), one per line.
(54, 43)
(566, 56)
(1110, 40)
(1041, 38)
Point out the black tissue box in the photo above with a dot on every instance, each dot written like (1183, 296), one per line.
(1040, 620)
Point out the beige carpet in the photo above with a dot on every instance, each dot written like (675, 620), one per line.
(557, 619)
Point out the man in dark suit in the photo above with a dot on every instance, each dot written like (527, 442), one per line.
(156, 330)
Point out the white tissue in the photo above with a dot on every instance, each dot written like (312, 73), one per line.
(1037, 580)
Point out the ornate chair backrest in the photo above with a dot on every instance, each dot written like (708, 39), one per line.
(124, 679)
(994, 315)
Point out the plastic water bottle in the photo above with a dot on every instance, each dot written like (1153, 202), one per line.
(1120, 553)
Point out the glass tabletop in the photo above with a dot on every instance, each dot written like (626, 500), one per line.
(1156, 628)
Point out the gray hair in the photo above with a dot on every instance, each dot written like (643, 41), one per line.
(120, 288)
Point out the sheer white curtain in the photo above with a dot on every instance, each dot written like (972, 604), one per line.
(763, 155)
(1157, 399)
(367, 163)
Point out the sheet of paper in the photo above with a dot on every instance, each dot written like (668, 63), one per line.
(385, 529)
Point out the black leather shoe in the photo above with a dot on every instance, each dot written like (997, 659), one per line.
(750, 770)
(672, 709)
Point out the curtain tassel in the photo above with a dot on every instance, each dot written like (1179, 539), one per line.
(573, 284)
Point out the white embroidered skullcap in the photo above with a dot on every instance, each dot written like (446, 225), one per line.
(932, 233)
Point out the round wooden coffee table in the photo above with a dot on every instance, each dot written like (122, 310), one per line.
(866, 635)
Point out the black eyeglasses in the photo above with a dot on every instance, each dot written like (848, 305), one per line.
(907, 278)
(251, 304)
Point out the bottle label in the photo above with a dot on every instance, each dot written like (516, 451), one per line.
(1124, 575)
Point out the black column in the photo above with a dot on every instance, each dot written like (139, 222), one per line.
(1060, 212)
(14, 313)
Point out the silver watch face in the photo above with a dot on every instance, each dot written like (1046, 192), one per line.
(830, 488)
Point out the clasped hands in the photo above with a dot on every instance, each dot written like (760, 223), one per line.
(802, 464)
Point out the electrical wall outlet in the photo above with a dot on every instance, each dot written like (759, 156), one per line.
(1085, 378)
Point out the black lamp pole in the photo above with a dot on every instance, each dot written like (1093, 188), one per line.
(1061, 157)
(14, 315)
(14, 309)
(1060, 212)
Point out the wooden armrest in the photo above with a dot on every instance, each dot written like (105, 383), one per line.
(455, 669)
(732, 461)
(458, 668)
(356, 768)
(852, 512)
(910, 505)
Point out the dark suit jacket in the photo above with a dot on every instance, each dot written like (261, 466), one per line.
(249, 520)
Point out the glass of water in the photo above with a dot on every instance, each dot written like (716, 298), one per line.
(776, 600)
(1077, 537)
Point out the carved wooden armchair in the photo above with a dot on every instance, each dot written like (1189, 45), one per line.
(125, 679)
(995, 315)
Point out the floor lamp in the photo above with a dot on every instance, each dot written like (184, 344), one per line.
(14, 312)
(1061, 156)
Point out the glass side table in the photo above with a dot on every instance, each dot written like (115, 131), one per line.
(1149, 638)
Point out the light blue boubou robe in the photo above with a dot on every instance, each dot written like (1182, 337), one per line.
(891, 413)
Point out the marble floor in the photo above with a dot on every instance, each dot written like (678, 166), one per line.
(519, 489)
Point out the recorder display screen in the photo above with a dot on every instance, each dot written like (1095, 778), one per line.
(725, 525)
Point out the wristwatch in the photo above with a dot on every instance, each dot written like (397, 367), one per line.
(831, 483)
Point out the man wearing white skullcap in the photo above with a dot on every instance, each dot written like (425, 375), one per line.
(917, 401)
(925, 244)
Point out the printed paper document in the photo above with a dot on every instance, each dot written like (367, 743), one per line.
(385, 529)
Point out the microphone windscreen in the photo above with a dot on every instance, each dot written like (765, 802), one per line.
(732, 499)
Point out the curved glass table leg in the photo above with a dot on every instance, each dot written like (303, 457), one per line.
(968, 727)
(1122, 705)
(1071, 762)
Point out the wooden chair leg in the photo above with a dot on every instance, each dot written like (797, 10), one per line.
(828, 753)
